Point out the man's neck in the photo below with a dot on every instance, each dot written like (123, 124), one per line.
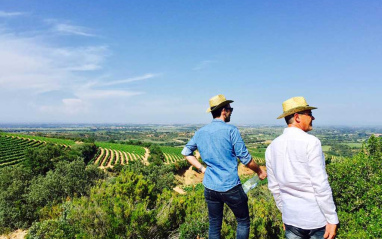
(220, 118)
(295, 126)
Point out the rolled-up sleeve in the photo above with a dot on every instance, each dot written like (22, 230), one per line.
(239, 147)
(190, 147)
(319, 179)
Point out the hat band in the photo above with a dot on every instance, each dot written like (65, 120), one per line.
(212, 108)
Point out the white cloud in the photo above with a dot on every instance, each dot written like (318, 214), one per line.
(69, 107)
(71, 29)
(53, 82)
(30, 63)
(91, 94)
(10, 14)
(139, 78)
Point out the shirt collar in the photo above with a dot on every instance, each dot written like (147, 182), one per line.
(218, 120)
(291, 129)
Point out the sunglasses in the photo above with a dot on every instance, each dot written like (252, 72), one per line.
(229, 108)
(306, 113)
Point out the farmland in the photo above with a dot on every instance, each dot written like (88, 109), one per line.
(13, 146)
(13, 149)
(121, 144)
(63, 196)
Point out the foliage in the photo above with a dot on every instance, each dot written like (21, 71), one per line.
(64, 200)
(118, 208)
(156, 155)
(180, 165)
(41, 160)
(85, 150)
(356, 185)
(14, 210)
(25, 189)
(160, 175)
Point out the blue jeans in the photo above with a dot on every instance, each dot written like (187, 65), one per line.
(237, 201)
(292, 232)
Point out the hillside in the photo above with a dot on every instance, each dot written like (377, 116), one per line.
(14, 146)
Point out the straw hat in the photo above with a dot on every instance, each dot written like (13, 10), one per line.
(217, 102)
(294, 105)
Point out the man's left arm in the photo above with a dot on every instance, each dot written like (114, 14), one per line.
(320, 183)
(242, 153)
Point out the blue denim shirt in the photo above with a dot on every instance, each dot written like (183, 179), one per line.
(219, 145)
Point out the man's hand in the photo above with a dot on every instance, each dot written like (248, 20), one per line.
(330, 231)
(262, 173)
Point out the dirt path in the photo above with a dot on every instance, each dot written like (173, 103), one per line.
(19, 234)
(179, 190)
(134, 156)
(167, 158)
(121, 157)
(146, 157)
(126, 158)
(100, 156)
(105, 158)
(111, 159)
(116, 157)
(191, 177)
(130, 156)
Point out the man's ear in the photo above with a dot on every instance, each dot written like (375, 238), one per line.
(296, 118)
(223, 112)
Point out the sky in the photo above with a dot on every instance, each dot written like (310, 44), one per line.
(160, 62)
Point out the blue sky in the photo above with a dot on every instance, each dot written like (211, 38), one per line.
(161, 61)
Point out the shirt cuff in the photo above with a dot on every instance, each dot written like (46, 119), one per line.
(246, 160)
(333, 219)
(187, 152)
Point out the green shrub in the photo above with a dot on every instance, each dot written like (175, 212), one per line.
(356, 185)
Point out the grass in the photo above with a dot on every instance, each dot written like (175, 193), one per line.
(325, 148)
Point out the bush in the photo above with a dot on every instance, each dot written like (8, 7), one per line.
(27, 188)
(356, 185)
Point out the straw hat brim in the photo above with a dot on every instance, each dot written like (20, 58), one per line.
(226, 102)
(295, 110)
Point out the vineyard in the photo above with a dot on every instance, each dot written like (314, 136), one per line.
(172, 154)
(13, 148)
(65, 142)
(111, 154)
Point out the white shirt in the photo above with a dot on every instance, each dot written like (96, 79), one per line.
(298, 180)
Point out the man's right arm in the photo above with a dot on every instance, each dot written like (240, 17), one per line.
(320, 183)
(273, 185)
(188, 153)
(255, 167)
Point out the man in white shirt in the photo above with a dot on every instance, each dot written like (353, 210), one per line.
(297, 176)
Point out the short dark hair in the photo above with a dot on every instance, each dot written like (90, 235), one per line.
(216, 113)
(289, 119)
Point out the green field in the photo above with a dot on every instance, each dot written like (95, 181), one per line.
(67, 142)
(12, 149)
(257, 152)
(326, 148)
(354, 145)
(173, 153)
(123, 147)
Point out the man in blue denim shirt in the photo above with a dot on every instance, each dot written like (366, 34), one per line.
(220, 145)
